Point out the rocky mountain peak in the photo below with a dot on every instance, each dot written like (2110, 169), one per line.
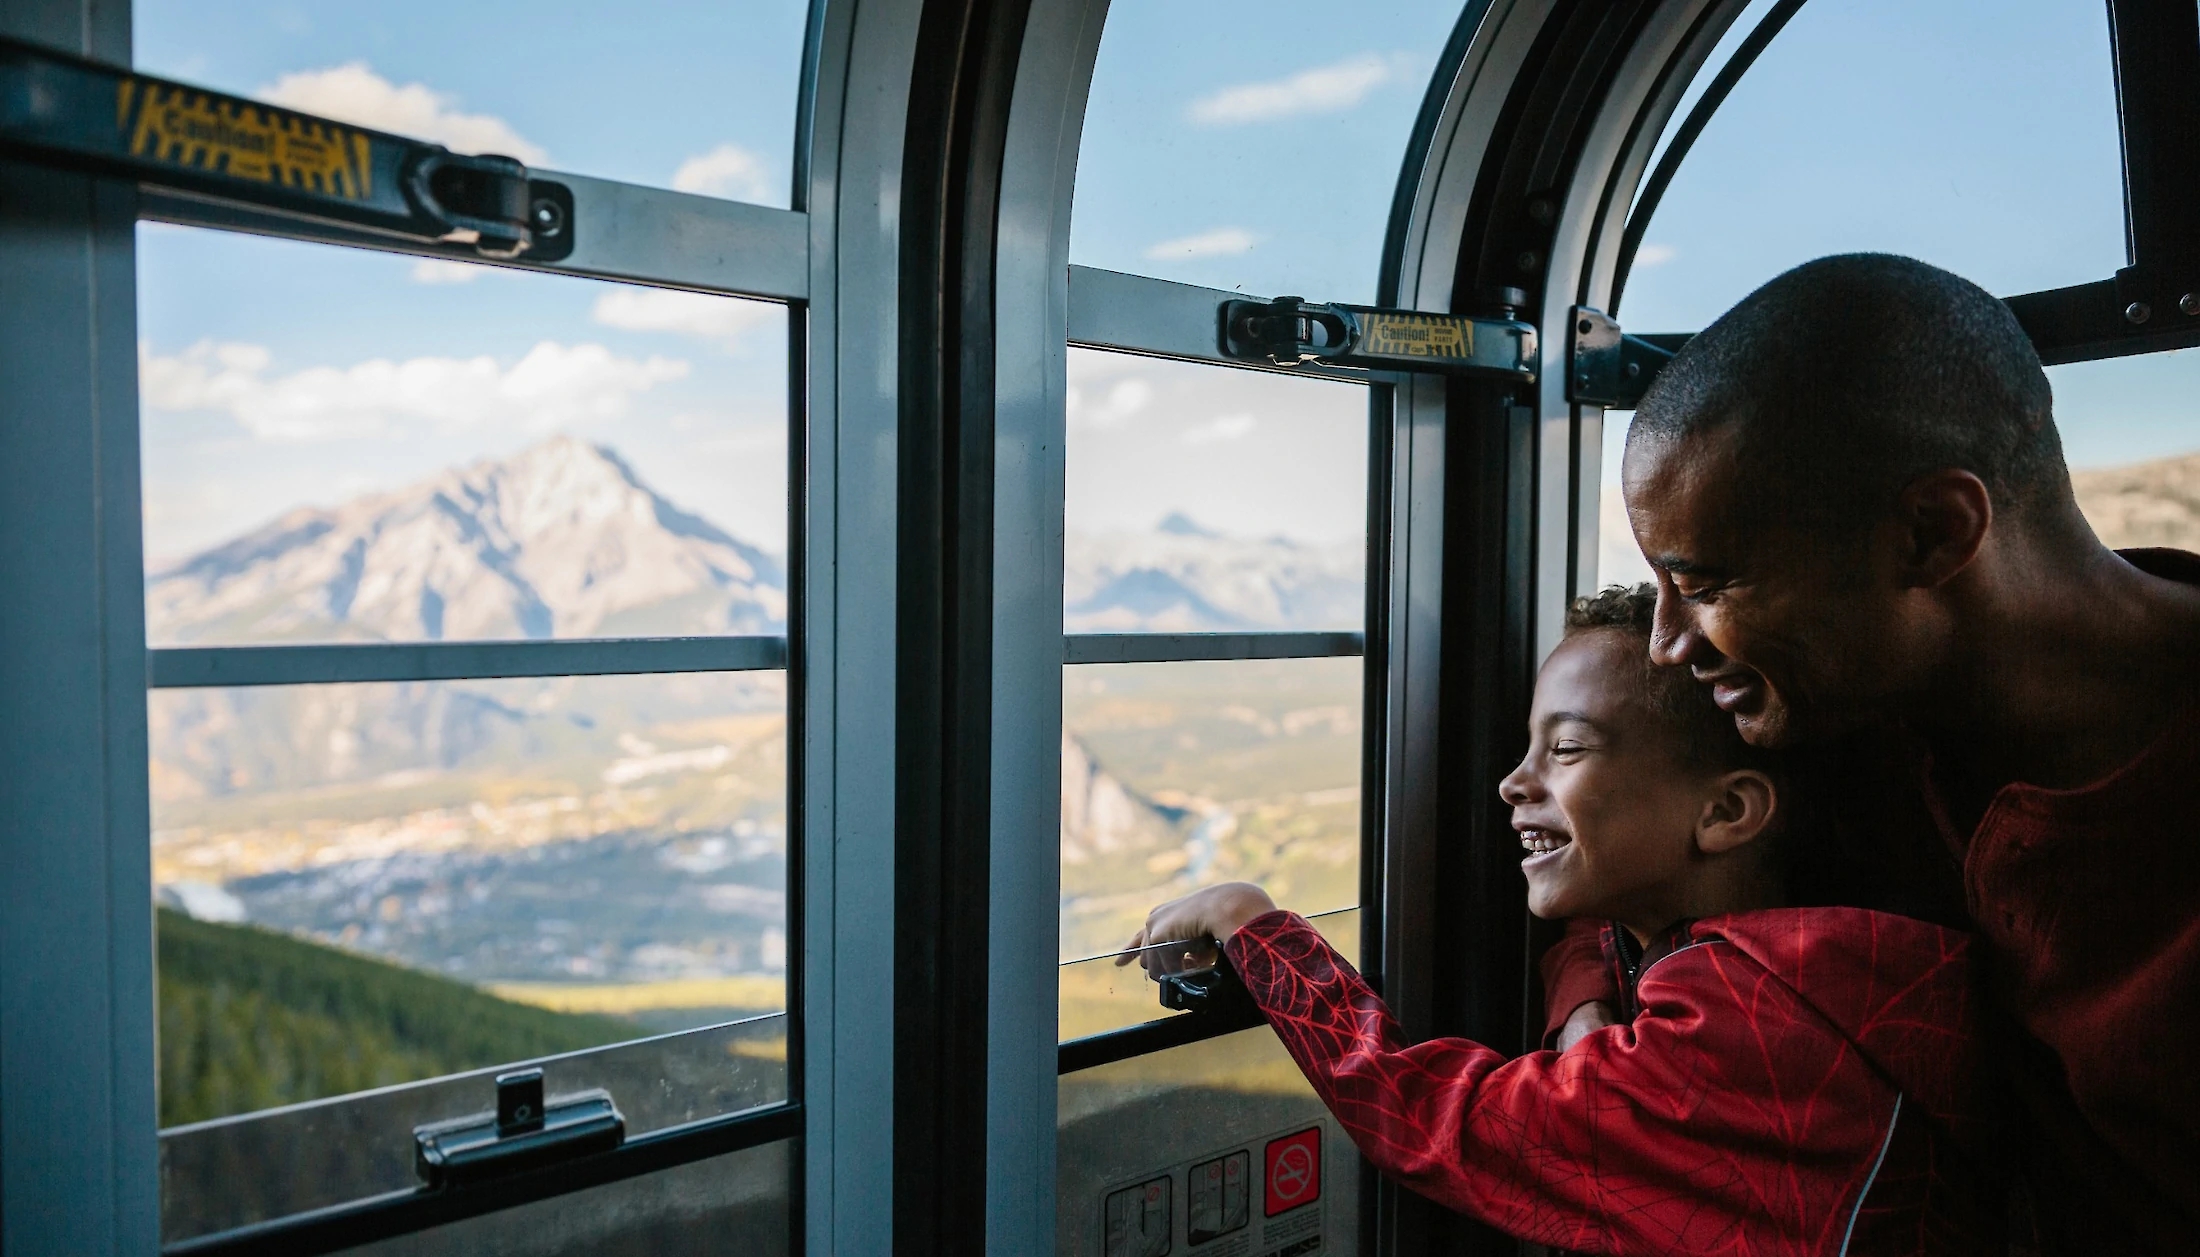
(562, 539)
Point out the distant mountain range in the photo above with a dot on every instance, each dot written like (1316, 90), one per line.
(2154, 503)
(565, 540)
(560, 540)
(1182, 577)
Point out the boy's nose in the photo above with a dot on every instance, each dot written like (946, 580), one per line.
(1516, 789)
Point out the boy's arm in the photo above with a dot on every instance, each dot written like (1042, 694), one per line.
(1643, 1137)
(1574, 973)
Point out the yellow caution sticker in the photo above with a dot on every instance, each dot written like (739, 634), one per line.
(247, 141)
(1416, 336)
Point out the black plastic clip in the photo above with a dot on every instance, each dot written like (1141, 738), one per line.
(1288, 331)
(525, 1131)
(1215, 992)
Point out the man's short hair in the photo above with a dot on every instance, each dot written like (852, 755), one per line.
(1704, 735)
(1847, 378)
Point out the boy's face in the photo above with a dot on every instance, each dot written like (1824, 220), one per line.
(1605, 802)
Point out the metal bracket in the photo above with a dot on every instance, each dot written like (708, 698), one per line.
(68, 112)
(524, 1132)
(1606, 367)
(1292, 332)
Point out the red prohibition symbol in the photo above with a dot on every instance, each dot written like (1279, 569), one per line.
(1294, 1165)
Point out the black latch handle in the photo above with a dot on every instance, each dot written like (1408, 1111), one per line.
(527, 1130)
(1293, 332)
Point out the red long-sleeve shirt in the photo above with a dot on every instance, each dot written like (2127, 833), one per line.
(1798, 1081)
(2087, 902)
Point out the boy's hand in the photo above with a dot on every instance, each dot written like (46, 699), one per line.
(1584, 1021)
(1214, 913)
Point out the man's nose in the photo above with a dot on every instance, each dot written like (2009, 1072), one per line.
(1673, 635)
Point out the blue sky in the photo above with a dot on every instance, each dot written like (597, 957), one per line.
(1238, 145)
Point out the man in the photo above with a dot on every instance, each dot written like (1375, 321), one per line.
(1853, 494)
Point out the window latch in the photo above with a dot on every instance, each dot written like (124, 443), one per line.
(525, 1132)
(1293, 332)
(80, 115)
(1216, 992)
(1607, 367)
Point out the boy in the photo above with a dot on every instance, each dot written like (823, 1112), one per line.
(1786, 1080)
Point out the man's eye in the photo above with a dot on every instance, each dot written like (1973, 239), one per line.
(1698, 597)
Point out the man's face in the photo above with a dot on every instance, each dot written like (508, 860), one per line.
(1795, 631)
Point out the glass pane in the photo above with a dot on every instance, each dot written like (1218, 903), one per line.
(237, 1171)
(372, 884)
(1619, 559)
(2133, 443)
(1252, 145)
(342, 445)
(1974, 134)
(1209, 499)
(740, 1204)
(695, 97)
(1178, 775)
(1221, 1141)
(1098, 995)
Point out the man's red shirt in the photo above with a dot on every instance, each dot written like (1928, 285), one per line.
(1797, 1081)
(2088, 902)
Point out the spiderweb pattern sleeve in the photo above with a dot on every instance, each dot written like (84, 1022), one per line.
(1724, 1120)
(1574, 973)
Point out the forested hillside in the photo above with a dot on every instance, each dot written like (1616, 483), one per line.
(250, 1019)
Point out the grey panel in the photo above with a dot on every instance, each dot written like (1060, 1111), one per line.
(626, 231)
(77, 1154)
(852, 153)
(1180, 647)
(192, 666)
(1061, 39)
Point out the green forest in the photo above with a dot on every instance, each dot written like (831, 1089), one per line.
(251, 1019)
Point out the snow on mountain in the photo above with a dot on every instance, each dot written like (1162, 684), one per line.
(1182, 577)
(562, 540)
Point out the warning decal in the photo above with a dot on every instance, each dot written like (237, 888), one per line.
(197, 130)
(1416, 336)
(1138, 1220)
(1294, 1171)
(1219, 1194)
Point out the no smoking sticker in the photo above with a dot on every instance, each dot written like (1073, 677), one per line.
(1294, 1175)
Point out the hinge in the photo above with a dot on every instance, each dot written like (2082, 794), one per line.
(1606, 367)
(1292, 332)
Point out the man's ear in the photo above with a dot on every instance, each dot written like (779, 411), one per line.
(1942, 518)
(1737, 814)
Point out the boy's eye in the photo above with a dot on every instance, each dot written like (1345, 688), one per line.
(1565, 749)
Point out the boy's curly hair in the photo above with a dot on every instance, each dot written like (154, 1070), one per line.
(1707, 736)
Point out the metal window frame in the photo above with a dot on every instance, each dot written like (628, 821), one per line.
(78, 1145)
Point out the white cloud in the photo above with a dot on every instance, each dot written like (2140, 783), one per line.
(1221, 242)
(724, 320)
(1655, 255)
(1089, 412)
(356, 94)
(1323, 89)
(1219, 429)
(552, 386)
(727, 170)
(439, 271)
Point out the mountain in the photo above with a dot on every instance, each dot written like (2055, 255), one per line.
(559, 540)
(1184, 577)
(2154, 503)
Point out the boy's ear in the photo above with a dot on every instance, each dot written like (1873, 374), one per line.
(1737, 814)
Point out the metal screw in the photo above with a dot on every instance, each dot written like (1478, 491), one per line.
(547, 216)
(1528, 260)
(2189, 303)
(2138, 312)
(1540, 209)
(1634, 370)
